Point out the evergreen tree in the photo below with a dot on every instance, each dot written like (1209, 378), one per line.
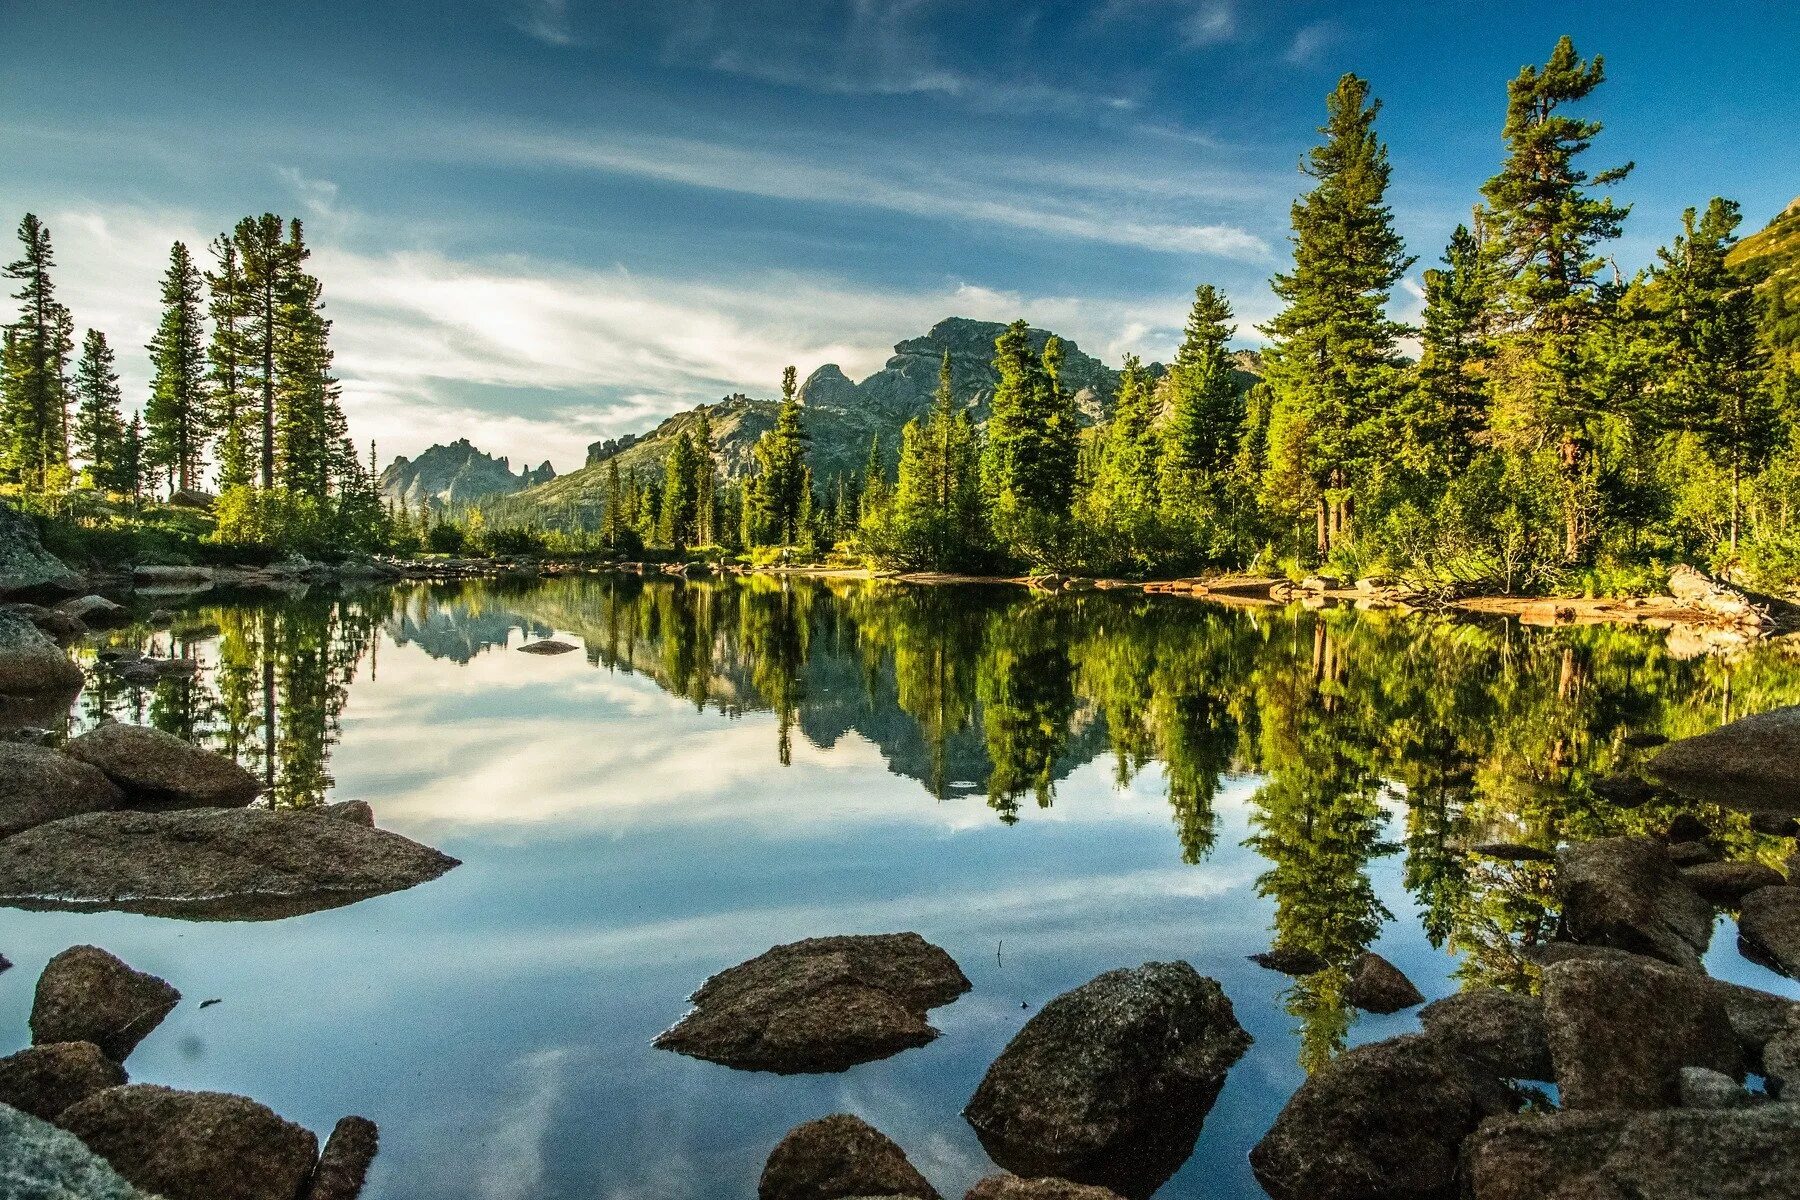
(1449, 408)
(179, 412)
(706, 484)
(679, 516)
(1205, 409)
(1029, 466)
(309, 422)
(612, 515)
(230, 356)
(263, 254)
(1333, 363)
(1547, 224)
(131, 463)
(1121, 504)
(34, 406)
(1717, 366)
(782, 491)
(937, 514)
(99, 421)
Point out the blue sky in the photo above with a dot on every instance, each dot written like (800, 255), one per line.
(539, 222)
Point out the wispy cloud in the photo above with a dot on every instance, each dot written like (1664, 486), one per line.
(1310, 41)
(1211, 22)
(546, 20)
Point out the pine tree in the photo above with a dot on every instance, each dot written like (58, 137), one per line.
(937, 515)
(99, 421)
(230, 355)
(678, 519)
(783, 480)
(1717, 365)
(309, 421)
(1333, 361)
(34, 403)
(1451, 405)
(263, 254)
(706, 484)
(613, 514)
(131, 463)
(179, 412)
(1205, 408)
(1547, 224)
(1032, 438)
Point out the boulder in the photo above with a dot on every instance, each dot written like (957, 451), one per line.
(1693, 854)
(160, 770)
(1725, 884)
(344, 1163)
(1774, 824)
(822, 1004)
(1620, 1032)
(839, 1156)
(31, 664)
(1702, 1087)
(1676, 1154)
(1382, 1120)
(1501, 1031)
(1013, 1187)
(1623, 791)
(27, 570)
(170, 575)
(1290, 960)
(43, 1162)
(236, 864)
(1109, 1084)
(54, 624)
(1512, 852)
(44, 1080)
(88, 995)
(1686, 827)
(195, 1145)
(350, 810)
(1752, 763)
(1769, 928)
(1781, 1059)
(1623, 892)
(546, 646)
(38, 785)
(1377, 985)
(95, 612)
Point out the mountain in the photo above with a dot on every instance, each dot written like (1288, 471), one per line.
(456, 476)
(1773, 252)
(840, 415)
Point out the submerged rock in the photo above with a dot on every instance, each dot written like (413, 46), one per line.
(96, 612)
(1769, 928)
(1383, 1120)
(1620, 1032)
(1501, 1031)
(88, 995)
(44, 1080)
(43, 1162)
(1676, 1154)
(1290, 960)
(1013, 1187)
(159, 770)
(839, 1156)
(195, 1145)
(1378, 986)
(546, 646)
(1110, 1083)
(1513, 852)
(39, 785)
(344, 1163)
(822, 1004)
(31, 664)
(1623, 892)
(235, 864)
(1752, 763)
(1725, 884)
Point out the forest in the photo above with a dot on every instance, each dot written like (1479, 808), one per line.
(1552, 423)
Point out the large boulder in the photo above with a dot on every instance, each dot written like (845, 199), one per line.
(237, 864)
(26, 568)
(1752, 763)
(1109, 1084)
(195, 1145)
(836, 1157)
(38, 785)
(1376, 985)
(1676, 1154)
(88, 995)
(160, 770)
(1013, 1187)
(42, 1162)
(1769, 928)
(1620, 1032)
(31, 664)
(822, 1004)
(1501, 1031)
(95, 612)
(44, 1080)
(1623, 892)
(1725, 884)
(344, 1163)
(1781, 1059)
(1379, 1121)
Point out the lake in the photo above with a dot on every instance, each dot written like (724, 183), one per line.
(1048, 786)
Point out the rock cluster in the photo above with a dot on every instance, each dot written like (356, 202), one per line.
(1752, 763)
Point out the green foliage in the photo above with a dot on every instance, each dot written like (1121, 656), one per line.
(179, 416)
(778, 508)
(99, 424)
(34, 358)
(936, 521)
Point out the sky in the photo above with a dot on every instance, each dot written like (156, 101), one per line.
(543, 222)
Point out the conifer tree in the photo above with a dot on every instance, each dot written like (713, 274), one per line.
(309, 421)
(1333, 361)
(178, 414)
(131, 464)
(263, 255)
(34, 405)
(1030, 458)
(230, 352)
(1205, 409)
(937, 516)
(1547, 223)
(783, 479)
(1717, 366)
(677, 521)
(1451, 404)
(99, 420)
(612, 515)
(706, 484)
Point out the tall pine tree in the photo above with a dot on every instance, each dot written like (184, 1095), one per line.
(99, 420)
(781, 496)
(34, 387)
(178, 414)
(1029, 462)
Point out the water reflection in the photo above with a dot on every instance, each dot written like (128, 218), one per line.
(1362, 736)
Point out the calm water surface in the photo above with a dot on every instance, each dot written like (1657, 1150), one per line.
(1048, 787)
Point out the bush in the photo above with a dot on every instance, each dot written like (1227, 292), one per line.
(444, 538)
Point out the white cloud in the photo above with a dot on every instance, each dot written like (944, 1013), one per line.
(1211, 22)
(545, 20)
(1310, 41)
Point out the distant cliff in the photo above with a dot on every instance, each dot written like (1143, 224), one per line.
(456, 476)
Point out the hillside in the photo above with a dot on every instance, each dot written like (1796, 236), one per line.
(841, 417)
(455, 476)
(1773, 252)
